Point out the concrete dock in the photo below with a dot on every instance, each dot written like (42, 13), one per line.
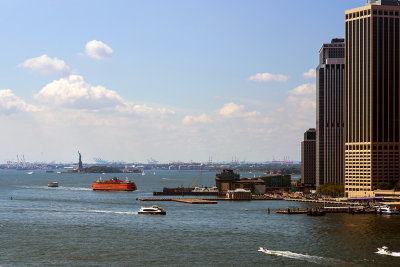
(291, 211)
(195, 201)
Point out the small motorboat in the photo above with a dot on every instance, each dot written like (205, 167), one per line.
(383, 250)
(153, 210)
(53, 184)
(387, 210)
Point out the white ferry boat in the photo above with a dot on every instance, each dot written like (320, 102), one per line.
(153, 210)
(387, 210)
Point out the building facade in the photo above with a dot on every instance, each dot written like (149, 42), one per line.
(330, 113)
(308, 158)
(372, 104)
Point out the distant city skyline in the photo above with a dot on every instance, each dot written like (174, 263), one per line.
(172, 80)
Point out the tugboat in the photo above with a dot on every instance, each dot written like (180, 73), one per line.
(114, 184)
(153, 210)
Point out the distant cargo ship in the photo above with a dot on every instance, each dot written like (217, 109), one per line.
(114, 184)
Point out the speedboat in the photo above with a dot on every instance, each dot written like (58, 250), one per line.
(53, 184)
(153, 210)
(383, 250)
(266, 251)
(387, 210)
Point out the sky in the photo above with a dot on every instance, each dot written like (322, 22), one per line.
(172, 80)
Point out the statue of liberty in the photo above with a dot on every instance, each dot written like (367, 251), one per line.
(80, 162)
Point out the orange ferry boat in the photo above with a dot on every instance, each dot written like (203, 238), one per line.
(114, 184)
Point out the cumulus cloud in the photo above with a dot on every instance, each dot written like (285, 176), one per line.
(203, 118)
(166, 111)
(233, 110)
(131, 108)
(74, 92)
(268, 77)
(310, 74)
(10, 103)
(299, 108)
(46, 65)
(98, 50)
(304, 89)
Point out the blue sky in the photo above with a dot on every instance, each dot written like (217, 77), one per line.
(176, 85)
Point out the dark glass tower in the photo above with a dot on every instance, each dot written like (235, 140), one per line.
(330, 113)
(308, 158)
(372, 97)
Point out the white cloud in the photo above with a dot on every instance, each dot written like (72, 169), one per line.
(10, 103)
(98, 50)
(74, 92)
(268, 77)
(203, 118)
(166, 111)
(131, 108)
(233, 110)
(310, 74)
(299, 109)
(46, 65)
(304, 89)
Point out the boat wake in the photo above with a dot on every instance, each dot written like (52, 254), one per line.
(75, 188)
(384, 251)
(298, 256)
(113, 212)
(57, 188)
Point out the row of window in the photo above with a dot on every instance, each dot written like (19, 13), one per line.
(359, 14)
(358, 189)
(368, 12)
(367, 147)
(358, 184)
(358, 181)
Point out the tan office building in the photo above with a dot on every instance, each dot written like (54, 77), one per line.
(372, 100)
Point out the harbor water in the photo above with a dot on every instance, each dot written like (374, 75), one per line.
(73, 226)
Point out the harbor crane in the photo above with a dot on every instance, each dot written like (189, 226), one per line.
(197, 178)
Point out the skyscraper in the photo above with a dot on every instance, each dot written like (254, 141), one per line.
(372, 97)
(330, 113)
(308, 158)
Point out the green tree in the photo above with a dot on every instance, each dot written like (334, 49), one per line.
(385, 186)
(397, 186)
(331, 189)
